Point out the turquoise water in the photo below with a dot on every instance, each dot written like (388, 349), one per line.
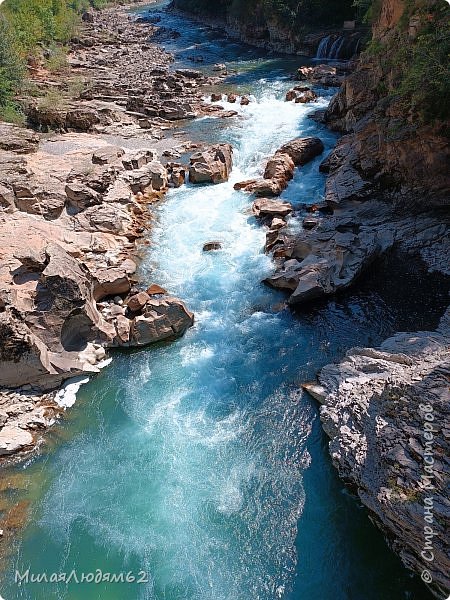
(199, 466)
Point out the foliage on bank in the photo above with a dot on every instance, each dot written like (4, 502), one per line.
(298, 13)
(414, 60)
(29, 29)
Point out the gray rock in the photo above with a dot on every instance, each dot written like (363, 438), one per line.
(378, 405)
(211, 246)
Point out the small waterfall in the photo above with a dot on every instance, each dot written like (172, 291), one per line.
(323, 47)
(334, 47)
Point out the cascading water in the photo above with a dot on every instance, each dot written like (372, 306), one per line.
(322, 50)
(188, 461)
(338, 47)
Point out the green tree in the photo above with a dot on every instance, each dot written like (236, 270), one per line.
(11, 66)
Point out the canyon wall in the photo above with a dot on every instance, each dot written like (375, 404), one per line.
(394, 112)
(284, 26)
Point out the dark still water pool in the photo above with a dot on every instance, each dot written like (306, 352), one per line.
(198, 466)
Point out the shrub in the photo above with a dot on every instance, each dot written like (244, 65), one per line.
(11, 113)
(425, 75)
(11, 66)
(57, 60)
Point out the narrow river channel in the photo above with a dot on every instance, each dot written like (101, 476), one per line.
(199, 462)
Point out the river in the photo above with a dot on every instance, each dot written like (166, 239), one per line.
(199, 463)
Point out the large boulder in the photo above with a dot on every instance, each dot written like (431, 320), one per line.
(163, 318)
(82, 118)
(280, 167)
(303, 150)
(278, 172)
(17, 139)
(265, 207)
(263, 187)
(212, 165)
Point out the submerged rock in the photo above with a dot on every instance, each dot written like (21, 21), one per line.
(211, 246)
(301, 95)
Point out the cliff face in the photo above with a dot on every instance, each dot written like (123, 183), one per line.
(392, 108)
(286, 26)
(385, 410)
(388, 183)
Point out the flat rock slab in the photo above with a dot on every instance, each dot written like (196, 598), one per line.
(13, 439)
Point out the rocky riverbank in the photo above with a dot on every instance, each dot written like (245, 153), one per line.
(262, 26)
(387, 189)
(386, 412)
(74, 208)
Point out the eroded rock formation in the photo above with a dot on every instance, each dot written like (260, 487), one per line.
(66, 234)
(386, 412)
(334, 250)
(212, 164)
(387, 183)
